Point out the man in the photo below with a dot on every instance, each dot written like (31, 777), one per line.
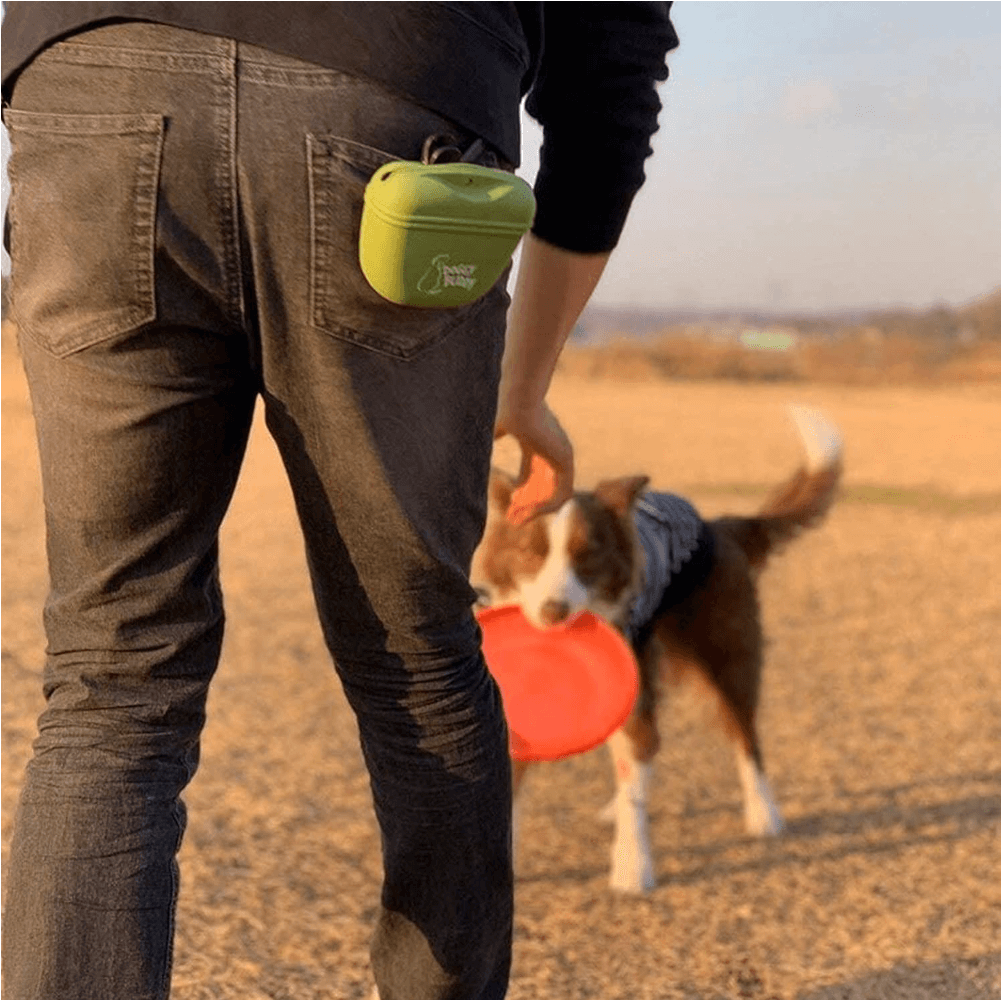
(186, 190)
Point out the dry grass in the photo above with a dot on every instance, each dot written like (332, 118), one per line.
(880, 724)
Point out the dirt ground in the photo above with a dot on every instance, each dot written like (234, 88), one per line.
(880, 724)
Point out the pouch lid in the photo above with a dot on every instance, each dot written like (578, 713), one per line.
(451, 196)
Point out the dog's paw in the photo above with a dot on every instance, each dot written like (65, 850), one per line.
(762, 815)
(763, 819)
(632, 866)
(632, 875)
(633, 885)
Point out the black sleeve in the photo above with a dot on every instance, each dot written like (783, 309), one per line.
(596, 99)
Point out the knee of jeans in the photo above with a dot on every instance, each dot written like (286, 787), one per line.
(132, 714)
(89, 754)
(452, 781)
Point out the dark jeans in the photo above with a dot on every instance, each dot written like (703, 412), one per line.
(185, 214)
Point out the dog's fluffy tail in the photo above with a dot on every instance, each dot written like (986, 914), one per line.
(803, 500)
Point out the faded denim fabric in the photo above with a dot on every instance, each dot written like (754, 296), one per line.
(185, 215)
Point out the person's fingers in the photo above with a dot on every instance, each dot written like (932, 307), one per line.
(546, 489)
(546, 474)
(525, 467)
(564, 487)
(534, 492)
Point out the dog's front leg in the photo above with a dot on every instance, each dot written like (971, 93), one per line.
(632, 864)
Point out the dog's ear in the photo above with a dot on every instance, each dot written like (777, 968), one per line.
(499, 490)
(619, 495)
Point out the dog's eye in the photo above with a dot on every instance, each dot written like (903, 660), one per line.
(588, 564)
(585, 548)
(587, 557)
(601, 555)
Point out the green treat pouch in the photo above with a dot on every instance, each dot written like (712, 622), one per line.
(440, 234)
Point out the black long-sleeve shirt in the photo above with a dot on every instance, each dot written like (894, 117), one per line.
(590, 71)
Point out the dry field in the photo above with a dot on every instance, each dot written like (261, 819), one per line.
(880, 722)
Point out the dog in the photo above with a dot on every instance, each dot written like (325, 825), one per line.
(681, 589)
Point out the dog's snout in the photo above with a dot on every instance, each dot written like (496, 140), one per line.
(554, 612)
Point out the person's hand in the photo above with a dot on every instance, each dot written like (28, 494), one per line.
(546, 477)
(552, 288)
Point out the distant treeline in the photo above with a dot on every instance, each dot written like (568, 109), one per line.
(942, 345)
(979, 321)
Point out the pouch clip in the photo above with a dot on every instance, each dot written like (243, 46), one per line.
(445, 149)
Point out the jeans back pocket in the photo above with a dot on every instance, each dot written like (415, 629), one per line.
(342, 303)
(83, 225)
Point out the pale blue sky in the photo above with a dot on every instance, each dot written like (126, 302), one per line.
(819, 155)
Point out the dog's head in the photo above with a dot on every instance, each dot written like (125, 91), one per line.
(582, 558)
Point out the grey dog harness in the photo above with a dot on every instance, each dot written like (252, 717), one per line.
(677, 547)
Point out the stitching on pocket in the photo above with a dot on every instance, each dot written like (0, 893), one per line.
(341, 302)
(67, 272)
(44, 122)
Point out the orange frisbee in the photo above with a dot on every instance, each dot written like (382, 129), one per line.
(565, 689)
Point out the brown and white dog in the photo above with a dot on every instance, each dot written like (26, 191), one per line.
(706, 624)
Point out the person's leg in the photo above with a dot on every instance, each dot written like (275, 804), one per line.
(143, 397)
(396, 614)
(384, 417)
(134, 623)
